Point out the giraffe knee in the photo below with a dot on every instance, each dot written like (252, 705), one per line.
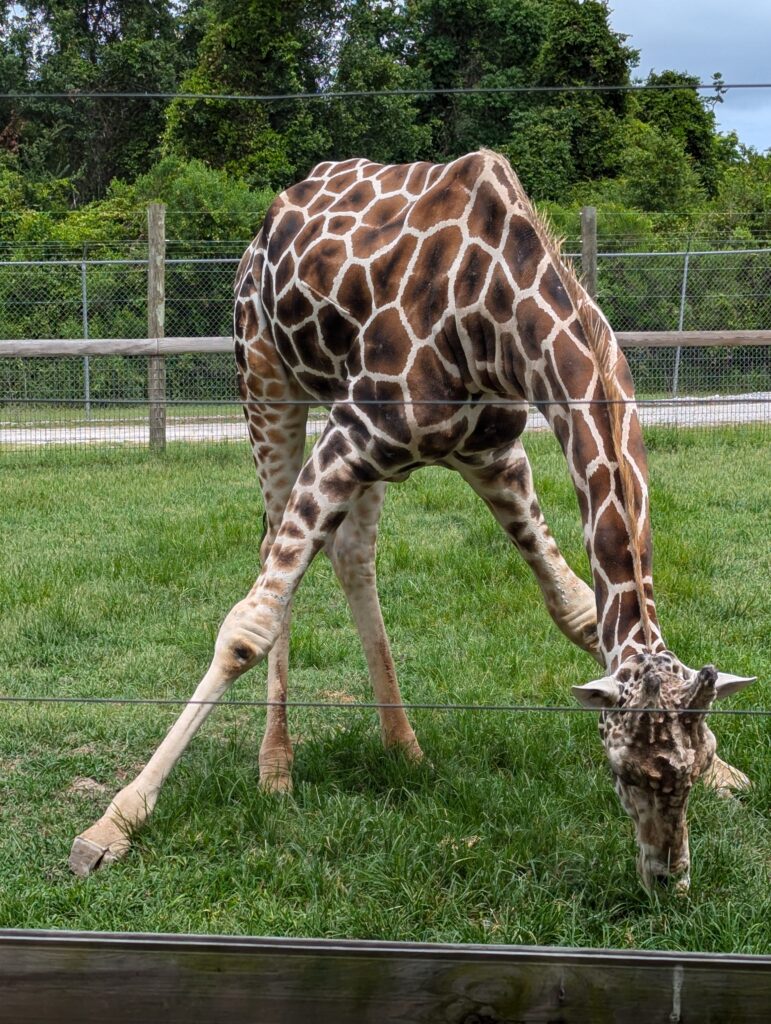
(246, 636)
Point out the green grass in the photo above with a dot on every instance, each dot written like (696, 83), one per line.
(115, 572)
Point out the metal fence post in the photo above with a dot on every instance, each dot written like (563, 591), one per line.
(681, 319)
(156, 309)
(589, 249)
(86, 365)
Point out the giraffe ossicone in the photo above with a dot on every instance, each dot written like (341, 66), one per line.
(427, 307)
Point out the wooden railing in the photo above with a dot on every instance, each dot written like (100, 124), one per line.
(36, 348)
(156, 348)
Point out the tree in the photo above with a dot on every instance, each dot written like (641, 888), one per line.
(259, 47)
(462, 44)
(64, 45)
(742, 206)
(373, 56)
(681, 114)
(553, 139)
(658, 174)
(580, 48)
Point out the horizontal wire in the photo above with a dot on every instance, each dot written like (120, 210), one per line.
(370, 705)
(141, 261)
(80, 94)
(505, 403)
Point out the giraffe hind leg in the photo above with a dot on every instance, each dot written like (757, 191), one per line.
(352, 552)
(277, 433)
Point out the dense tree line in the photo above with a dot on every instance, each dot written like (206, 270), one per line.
(82, 170)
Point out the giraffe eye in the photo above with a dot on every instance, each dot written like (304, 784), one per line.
(629, 772)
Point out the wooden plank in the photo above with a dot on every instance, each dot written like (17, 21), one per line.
(36, 348)
(83, 977)
(691, 339)
(156, 313)
(55, 348)
(179, 346)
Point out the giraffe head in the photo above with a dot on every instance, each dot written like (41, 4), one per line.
(656, 756)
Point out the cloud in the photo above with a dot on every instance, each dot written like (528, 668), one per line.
(704, 36)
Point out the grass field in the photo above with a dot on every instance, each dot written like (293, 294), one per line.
(115, 572)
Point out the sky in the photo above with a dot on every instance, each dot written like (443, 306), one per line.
(704, 36)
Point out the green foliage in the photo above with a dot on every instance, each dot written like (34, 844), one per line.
(28, 206)
(653, 160)
(202, 203)
(371, 57)
(259, 47)
(553, 140)
(60, 45)
(458, 45)
(682, 116)
(742, 207)
(539, 148)
(658, 175)
(618, 225)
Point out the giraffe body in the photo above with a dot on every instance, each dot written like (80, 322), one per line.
(426, 306)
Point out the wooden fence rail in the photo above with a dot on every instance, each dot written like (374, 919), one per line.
(91, 977)
(37, 348)
(156, 347)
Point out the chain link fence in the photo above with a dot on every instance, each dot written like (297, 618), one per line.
(103, 399)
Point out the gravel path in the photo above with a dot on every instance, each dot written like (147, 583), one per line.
(685, 412)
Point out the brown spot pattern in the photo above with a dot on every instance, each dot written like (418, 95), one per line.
(471, 275)
(386, 346)
(325, 345)
(488, 216)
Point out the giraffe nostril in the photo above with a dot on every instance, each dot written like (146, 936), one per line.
(673, 882)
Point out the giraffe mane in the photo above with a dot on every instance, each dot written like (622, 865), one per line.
(606, 357)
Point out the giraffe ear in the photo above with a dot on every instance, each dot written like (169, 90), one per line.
(727, 684)
(600, 693)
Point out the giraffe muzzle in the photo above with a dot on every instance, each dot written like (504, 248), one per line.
(657, 876)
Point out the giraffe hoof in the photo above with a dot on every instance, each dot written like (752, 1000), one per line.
(98, 846)
(278, 782)
(276, 769)
(726, 780)
(413, 753)
(408, 747)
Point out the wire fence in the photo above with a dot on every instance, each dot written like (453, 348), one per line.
(103, 399)
(372, 705)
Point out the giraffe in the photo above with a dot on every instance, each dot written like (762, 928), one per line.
(426, 306)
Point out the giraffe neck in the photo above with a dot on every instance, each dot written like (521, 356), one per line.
(563, 355)
(599, 430)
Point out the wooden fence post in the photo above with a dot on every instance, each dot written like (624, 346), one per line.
(589, 249)
(156, 311)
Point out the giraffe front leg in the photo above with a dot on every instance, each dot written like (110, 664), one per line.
(110, 837)
(318, 504)
(505, 484)
(725, 779)
(245, 637)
